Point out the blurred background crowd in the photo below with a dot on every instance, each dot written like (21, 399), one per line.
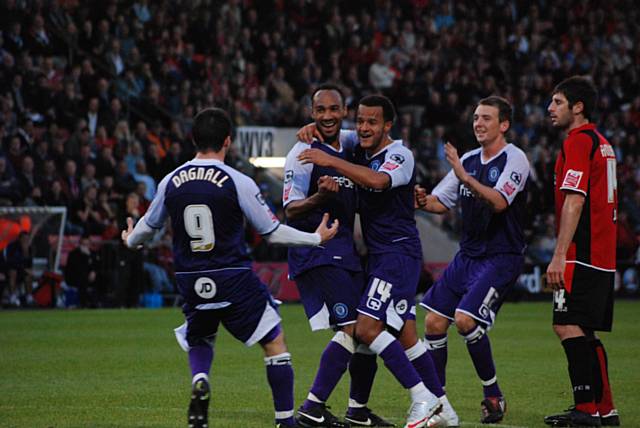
(97, 97)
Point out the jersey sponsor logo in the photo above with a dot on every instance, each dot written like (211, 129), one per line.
(465, 192)
(494, 173)
(402, 306)
(205, 287)
(572, 179)
(341, 310)
(375, 165)
(288, 176)
(516, 177)
(508, 188)
(344, 182)
(397, 158)
(390, 166)
(607, 151)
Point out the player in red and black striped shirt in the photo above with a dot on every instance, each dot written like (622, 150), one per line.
(583, 266)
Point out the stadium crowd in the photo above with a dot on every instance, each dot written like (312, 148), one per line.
(97, 97)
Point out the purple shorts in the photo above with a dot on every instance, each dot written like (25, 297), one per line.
(330, 296)
(474, 286)
(235, 298)
(392, 281)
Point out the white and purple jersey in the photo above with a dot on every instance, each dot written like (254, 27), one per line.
(207, 202)
(387, 216)
(300, 182)
(485, 232)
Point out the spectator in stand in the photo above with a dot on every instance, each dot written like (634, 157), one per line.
(81, 272)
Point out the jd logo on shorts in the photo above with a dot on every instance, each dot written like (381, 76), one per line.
(205, 287)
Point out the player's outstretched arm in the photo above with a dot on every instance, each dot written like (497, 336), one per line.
(426, 202)
(292, 237)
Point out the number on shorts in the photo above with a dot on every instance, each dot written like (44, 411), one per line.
(198, 223)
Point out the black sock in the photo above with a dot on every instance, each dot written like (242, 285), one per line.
(579, 357)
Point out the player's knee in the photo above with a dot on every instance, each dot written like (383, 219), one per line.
(435, 324)
(366, 332)
(464, 323)
(344, 340)
(474, 335)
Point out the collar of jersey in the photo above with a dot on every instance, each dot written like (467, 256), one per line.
(330, 146)
(367, 157)
(195, 161)
(483, 162)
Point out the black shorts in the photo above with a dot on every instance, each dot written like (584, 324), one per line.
(587, 300)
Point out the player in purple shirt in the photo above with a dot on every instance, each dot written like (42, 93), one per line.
(207, 202)
(329, 277)
(385, 173)
(490, 185)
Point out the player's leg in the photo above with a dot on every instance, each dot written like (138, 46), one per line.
(584, 305)
(488, 282)
(330, 296)
(436, 341)
(277, 360)
(197, 337)
(602, 386)
(493, 405)
(391, 286)
(417, 353)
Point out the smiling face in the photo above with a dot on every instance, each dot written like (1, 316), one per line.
(371, 127)
(328, 111)
(486, 124)
(559, 112)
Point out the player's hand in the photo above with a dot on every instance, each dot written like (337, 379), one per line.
(555, 272)
(451, 154)
(419, 197)
(327, 186)
(307, 133)
(125, 233)
(315, 156)
(327, 232)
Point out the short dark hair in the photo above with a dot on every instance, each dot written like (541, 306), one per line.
(329, 87)
(388, 111)
(210, 128)
(505, 111)
(579, 89)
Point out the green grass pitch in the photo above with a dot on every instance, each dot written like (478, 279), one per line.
(123, 368)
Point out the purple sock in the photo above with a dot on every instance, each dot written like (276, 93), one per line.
(480, 350)
(333, 364)
(362, 369)
(392, 353)
(200, 358)
(437, 348)
(280, 377)
(423, 364)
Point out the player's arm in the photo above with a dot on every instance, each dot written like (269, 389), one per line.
(267, 224)
(363, 176)
(327, 189)
(571, 212)
(489, 195)
(428, 203)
